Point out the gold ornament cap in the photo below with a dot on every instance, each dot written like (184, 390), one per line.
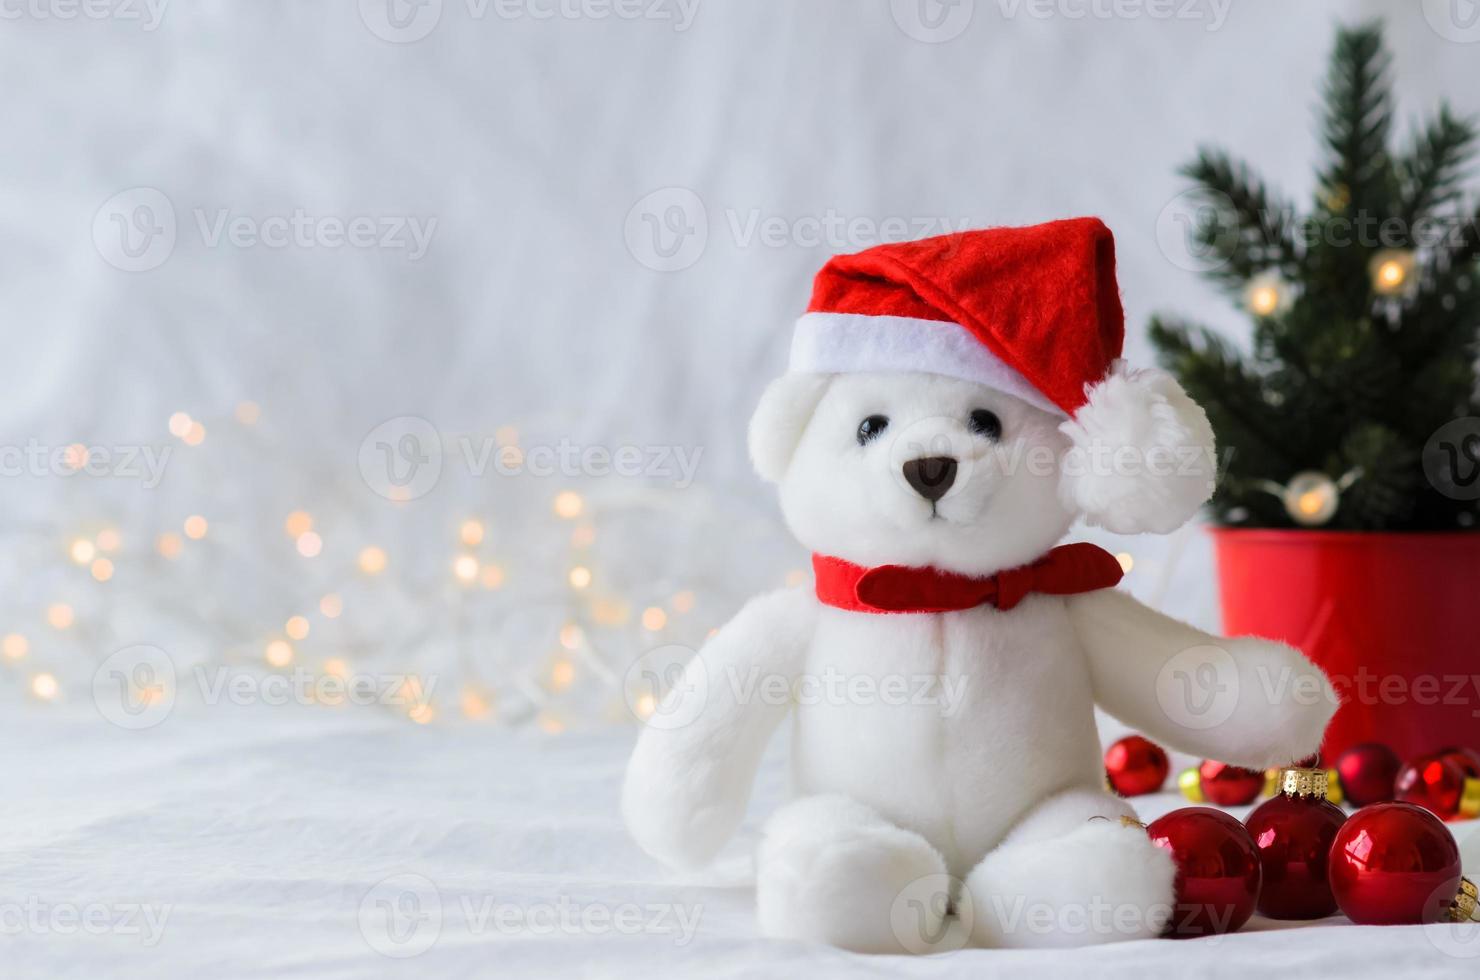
(1469, 800)
(1466, 905)
(1312, 783)
(1189, 781)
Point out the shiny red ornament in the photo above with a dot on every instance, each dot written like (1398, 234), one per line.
(1228, 785)
(1394, 864)
(1136, 766)
(1293, 833)
(1466, 759)
(1439, 785)
(1218, 870)
(1368, 773)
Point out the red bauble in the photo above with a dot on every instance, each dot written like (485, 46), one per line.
(1394, 864)
(1466, 759)
(1136, 766)
(1439, 785)
(1228, 785)
(1293, 835)
(1218, 870)
(1368, 773)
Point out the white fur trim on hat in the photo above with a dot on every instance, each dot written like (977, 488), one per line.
(1143, 456)
(848, 343)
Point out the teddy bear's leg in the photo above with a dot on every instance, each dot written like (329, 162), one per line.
(832, 870)
(1071, 873)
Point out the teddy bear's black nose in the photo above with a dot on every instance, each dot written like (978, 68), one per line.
(931, 476)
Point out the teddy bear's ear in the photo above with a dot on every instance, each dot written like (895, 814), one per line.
(1142, 456)
(780, 419)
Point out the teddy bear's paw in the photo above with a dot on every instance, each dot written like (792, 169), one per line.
(1100, 883)
(832, 870)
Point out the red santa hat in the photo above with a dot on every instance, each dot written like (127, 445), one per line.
(1034, 312)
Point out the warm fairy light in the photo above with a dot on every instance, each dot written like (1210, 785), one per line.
(562, 673)
(82, 551)
(45, 686)
(296, 627)
(474, 704)
(654, 619)
(102, 569)
(76, 456)
(298, 524)
(506, 435)
(60, 615)
(1127, 561)
(568, 504)
(610, 612)
(169, 544)
(646, 705)
(571, 636)
(583, 536)
(1264, 300)
(683, 601)
(331, 605)
(422, 714)
(309, 544)
(195, 435)
(247, 413)
(336, 667)
(796, 577)
(279, 653)
(1391, 271)
(465, 567)
(1312, 498)
(108, 540)
(492, 577)
(550, 725)
(196, 527)
(14, 646)
(180, 424)
(372, 560)
(580, 577)
(471, 533)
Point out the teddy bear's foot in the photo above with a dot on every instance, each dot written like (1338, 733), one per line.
(832, 870)
(1072, 874)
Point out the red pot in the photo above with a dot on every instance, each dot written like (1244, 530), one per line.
(1390, 618)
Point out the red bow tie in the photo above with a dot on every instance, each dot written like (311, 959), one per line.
(1066, 570)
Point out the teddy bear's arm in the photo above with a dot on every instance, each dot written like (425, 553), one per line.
(1245, 700)
(690, 775)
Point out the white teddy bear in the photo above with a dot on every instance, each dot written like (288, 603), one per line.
(952, 406)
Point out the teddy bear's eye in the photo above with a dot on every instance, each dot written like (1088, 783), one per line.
(870, 428)
(985, 423)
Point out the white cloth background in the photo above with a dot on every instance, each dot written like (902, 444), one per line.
(532, 142)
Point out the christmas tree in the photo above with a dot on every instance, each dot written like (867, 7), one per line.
(1366, 312)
